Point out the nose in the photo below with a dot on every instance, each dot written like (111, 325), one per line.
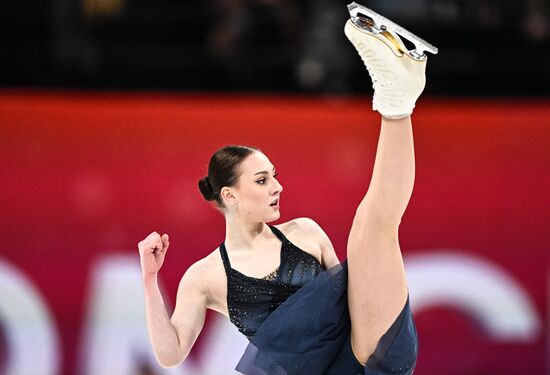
(278, 187)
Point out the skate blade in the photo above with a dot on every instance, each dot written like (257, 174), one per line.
(372, 22)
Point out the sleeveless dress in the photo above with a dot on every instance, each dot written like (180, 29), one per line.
(297, 321)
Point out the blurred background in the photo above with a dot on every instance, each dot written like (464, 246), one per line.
(267, 45)
(111, 109)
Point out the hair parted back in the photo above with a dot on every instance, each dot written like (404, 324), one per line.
(223, 171)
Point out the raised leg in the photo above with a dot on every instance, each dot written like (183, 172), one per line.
(377, 286)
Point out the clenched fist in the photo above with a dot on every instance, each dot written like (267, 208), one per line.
(152, 251)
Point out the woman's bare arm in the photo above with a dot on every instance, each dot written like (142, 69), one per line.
(171, 339)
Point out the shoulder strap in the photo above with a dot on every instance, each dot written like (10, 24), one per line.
(225, 258)
(278, 233)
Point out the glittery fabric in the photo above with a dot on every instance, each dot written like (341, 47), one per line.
(298, 322)
(251, 300)
(310, 334)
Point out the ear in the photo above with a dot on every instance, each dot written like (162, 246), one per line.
(228, 195)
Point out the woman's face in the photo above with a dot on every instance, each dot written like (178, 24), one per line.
(257, 188)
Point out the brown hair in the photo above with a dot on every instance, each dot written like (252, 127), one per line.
(223, 171)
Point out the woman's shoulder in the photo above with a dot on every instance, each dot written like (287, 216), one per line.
(301, 226)
(304, 233)
(205, 270)
(310, 237)
(208, 276)
(211, 263)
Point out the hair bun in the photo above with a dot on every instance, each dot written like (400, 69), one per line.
(223, 170)
(206, 189)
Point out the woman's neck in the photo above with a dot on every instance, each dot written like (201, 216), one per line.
(240, 235)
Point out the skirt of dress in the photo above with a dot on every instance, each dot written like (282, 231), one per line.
(310, 334)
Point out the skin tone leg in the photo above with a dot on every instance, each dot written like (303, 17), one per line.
(377, 286)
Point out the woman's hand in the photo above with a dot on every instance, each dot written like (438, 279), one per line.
(152, 251)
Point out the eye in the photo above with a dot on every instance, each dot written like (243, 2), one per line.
(262, 181)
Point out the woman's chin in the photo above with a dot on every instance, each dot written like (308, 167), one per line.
(273, 217)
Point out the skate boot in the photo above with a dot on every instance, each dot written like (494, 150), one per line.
(397, 73)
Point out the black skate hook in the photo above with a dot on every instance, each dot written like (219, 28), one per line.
(373, 23)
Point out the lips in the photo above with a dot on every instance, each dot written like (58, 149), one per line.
(275, 202)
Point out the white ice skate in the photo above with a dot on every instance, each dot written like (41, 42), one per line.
(397, 73)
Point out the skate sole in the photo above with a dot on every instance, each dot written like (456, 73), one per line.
(373, 23)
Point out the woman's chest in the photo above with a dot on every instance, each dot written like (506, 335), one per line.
(294, 262)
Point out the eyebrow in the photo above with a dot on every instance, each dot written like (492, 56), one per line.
(264, 172)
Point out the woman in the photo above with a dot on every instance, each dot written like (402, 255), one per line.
(283, 286)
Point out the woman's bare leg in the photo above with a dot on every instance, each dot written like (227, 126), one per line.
(377, 286)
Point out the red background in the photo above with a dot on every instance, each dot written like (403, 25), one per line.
(85, 173)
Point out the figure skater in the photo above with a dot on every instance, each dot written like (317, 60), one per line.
(282, 285)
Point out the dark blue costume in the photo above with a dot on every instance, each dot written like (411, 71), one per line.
(297, 321)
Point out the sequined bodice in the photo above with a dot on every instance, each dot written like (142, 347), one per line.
(250, 300)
